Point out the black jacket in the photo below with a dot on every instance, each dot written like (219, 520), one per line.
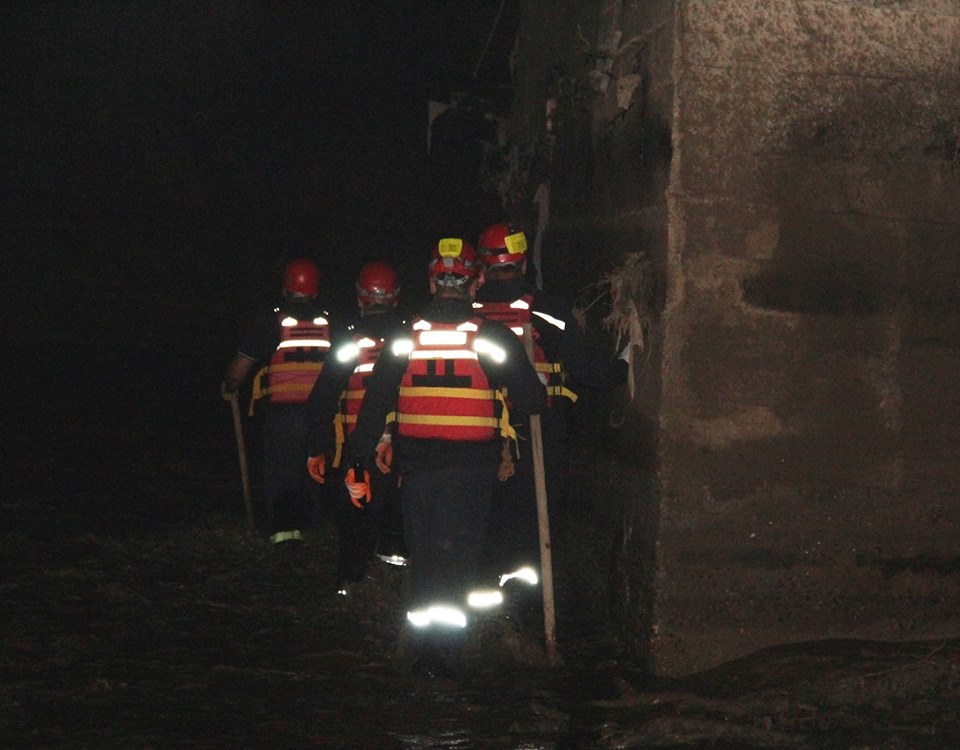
(586, 361)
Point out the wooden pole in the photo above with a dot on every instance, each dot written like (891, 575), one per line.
(242, 455)
(543, 520)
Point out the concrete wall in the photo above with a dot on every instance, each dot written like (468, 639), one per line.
(792, 170)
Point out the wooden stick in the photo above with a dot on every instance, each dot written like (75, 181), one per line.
(242, 455)
(543, 520)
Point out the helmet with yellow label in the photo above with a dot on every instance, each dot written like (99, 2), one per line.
(453, 262)
(501, 244)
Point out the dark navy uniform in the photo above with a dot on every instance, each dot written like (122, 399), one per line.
(331, 415)
(449, 422)
(292, 342)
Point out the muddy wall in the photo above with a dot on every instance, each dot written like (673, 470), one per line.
(791, 172)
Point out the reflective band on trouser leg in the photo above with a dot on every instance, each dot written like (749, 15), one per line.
(286, 536)
(437, 614)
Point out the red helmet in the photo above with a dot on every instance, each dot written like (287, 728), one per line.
(453, 262)
(377, 283)
(500, 244)
(301, 277)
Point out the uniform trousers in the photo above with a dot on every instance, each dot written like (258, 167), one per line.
(289, 494)
(445, 515)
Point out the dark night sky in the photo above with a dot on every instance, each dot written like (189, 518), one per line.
(156, 136)
(162, 161)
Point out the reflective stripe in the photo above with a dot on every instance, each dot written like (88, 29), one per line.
(551, 320)
(525, 574)
(347, 352)
(286, 536)
(438, 614)
(443, 338)
(484, 599)
(294, 343)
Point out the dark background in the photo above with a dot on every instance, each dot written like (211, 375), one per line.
(163, 161)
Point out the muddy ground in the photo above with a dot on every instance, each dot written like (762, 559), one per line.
(139, 612)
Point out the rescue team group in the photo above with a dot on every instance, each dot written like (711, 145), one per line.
(420, 429)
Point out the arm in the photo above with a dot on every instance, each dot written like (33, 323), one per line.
(378, 401)
(323, 405)
(527, 394)
(237, 371)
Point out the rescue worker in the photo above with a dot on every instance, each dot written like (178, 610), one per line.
(443, 379)
(562, 357)
(332, 413)
(291, 343)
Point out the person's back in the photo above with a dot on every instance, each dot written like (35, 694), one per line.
(564, 359)
(290, 343)
(444, 380)
(332, 412)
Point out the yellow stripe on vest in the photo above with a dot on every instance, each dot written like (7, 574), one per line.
(470, 393)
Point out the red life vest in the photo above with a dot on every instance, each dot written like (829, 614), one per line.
(365, 351)
(444, 393)
(516, 315)
(297, 362)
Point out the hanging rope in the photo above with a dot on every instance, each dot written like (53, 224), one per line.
(496, 21)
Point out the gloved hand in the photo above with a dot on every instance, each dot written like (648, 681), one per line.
(359, 491)
(317, 467)
(228, 390)
(385, 453)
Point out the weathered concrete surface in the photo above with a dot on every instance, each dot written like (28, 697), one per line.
(792, 170)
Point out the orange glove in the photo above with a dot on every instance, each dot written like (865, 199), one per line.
(316, 468)
(359, 491)
(385, 453)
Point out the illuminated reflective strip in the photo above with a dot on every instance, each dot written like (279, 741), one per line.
(520, 304)
(518, 330)
(347, 352)
(289, 322)
(468, 326)
(419, 618)
(526, 574)
(286, 536)
(484, 346)
(421, 325)
(366, 343)
(318, 343)
(551, 320)
(443, 338)
(484, 599)
(424, 391)
(320, 321)
(401, 347)
(364, 368)
(444, 354)
(437, 615)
